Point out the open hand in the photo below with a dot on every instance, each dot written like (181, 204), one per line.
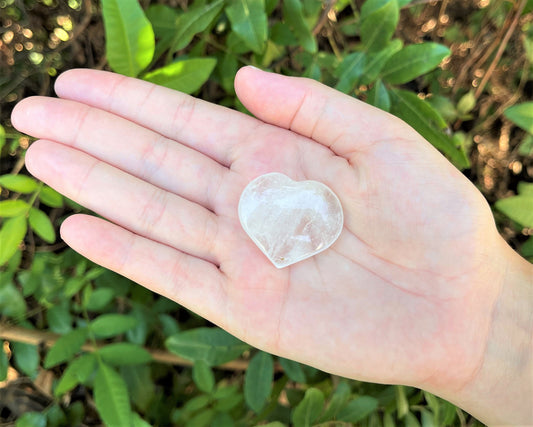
(396, 299)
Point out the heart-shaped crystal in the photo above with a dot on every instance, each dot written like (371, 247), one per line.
(289, 220)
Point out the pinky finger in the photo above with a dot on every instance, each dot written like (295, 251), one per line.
(191, 282)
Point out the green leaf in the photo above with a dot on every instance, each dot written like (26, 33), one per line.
(270, 6)
(379, 19)
(31, 419)
(313, 71)
(26, 357)
(111, 397)
(203, 376)
(430, 114)
(379, 97)
(76, 413)
(4, 364)
(194, 21)
(2, 137)
(18, 183)
(413, 61)
(140, 384)
(41, 224)
(388, 420)
(169, 325)
(402, 404)
(447, 414)
(258, 380)
(433, 402)
(11, 267)
(527, 248)
(109, 325)
(228, 403)
(164, 20)
(235, 45)
(227, 398)
(196, 403)
(281, 34)
(518, 208)
(73, 285)
(428, 418)
(99, 298)
(137, 421)
(350, 70)
(525, 189)
(294, 18)
(11, 235)
(410, 420)
(223, 419)
(124, 353)
(444, 106)
(309, 409)
(293, 370)
(77, 372)
(212, 345)
(358, 409)
(51, 197)
(521, 115)
(338, 399)
(375, 62)
(59, 319)
(271, 53)
(138, 334)
(202, 418)
(526, 146)
(227, 68)
(130, 41)
(65, 347)
(12, 303)
(249, 21)
(55, 416)
(186, 76)
(466, 103)
(312, 9)
(11, 208)
(423, 118)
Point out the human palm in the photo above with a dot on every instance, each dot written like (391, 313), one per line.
(388, 302)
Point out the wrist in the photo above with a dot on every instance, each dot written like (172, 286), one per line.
(501, 390)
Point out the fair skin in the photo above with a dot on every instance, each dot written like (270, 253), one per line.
(419, 289)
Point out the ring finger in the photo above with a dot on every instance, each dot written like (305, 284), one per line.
(126, 200)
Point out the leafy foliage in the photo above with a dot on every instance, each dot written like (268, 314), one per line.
(130, 38)
(107, 325)
(212, 345)
(258, 380)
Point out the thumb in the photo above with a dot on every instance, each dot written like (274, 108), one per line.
(309, 108)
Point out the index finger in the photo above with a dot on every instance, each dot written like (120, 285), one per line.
(316, 111)
(208, 128)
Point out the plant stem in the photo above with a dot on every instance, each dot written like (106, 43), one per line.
(36, 337)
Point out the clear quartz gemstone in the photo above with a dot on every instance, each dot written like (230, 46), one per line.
(289, 220)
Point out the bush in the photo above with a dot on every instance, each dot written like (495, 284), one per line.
(104, 335)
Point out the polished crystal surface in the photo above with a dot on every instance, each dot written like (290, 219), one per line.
(289, 220)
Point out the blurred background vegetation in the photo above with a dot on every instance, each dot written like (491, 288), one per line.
(47, 291)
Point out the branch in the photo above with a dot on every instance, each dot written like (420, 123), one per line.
(501, 49)
(36, 337)
(324, 16)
